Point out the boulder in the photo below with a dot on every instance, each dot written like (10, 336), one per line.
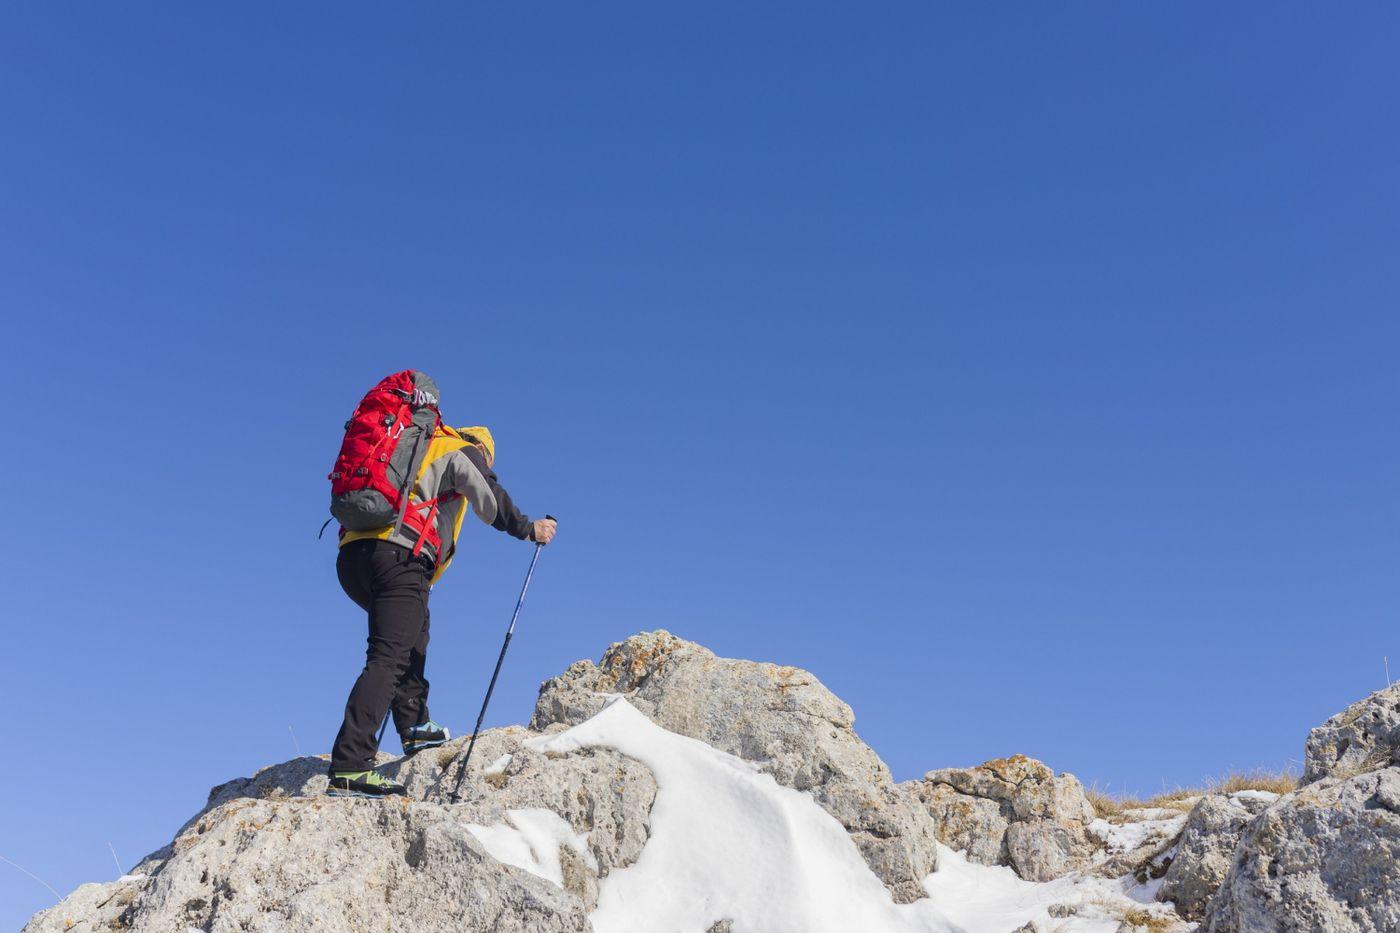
(975, 826)
(271, 851)
(1363, 737)
(324, 863)
(1325, 857)
(1207, 843)
(1011, 811)
(781, 718)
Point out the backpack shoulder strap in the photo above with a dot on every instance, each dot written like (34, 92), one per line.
(415, 466)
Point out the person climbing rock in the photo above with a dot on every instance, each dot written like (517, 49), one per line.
(388, 569)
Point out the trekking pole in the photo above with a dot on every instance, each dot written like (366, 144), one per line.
(461, 775)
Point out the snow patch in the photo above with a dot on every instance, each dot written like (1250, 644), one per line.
(498, 766)
(1125, 837)
(977, 898)
(530, 839)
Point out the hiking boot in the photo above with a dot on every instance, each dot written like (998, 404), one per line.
(363, 784)
(425, 735)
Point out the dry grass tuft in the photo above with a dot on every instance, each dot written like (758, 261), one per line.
(1104, 804)
(1141, 919)
(1110, 806)
(1278, 782)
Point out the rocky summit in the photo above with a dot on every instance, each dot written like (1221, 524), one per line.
(666, 788)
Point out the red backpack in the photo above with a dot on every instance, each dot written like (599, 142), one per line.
(385, 442)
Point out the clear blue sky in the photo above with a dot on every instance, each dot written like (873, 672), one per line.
(1026, 372)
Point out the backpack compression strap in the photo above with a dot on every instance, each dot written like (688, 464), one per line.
(428, 527)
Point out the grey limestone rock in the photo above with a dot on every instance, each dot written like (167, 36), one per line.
(1207, 843)
(324, 863)
(1325, 857)
(1363, 737)
(1042, 850)
(91, 907)
(975, 826)
(270, 852)
(1010, 811)
(599, 792)
(781, 718)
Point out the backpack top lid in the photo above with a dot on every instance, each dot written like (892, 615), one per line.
(424, 390)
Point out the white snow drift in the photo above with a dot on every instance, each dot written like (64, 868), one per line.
(729, 843)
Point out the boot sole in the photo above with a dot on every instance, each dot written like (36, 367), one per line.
(421, 746)
(361, 794)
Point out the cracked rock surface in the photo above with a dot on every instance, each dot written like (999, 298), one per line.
(1011, 811)
(1325, 857)
(1207, 844)
(1363, 737)
(781, 718)
(270, 852)
(323, 863)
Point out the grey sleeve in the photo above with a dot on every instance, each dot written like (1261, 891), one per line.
(463, 477)
(508, 518)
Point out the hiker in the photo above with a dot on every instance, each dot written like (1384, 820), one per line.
(389, 572)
